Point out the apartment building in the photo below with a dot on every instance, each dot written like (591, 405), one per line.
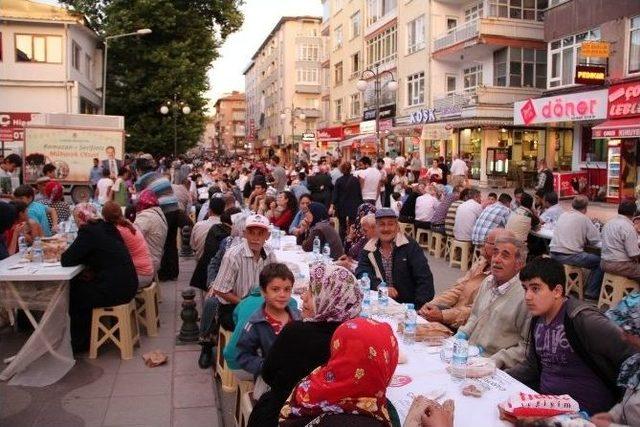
(283, 82)
(50, 62)
(229, 124)
(591, 131)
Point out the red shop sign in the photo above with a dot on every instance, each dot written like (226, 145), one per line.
(351, 130)
(624, 100)
(330, 134)
(12, 126)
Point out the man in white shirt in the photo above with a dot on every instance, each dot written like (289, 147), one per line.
(201, 228)
(466, 216)
(425, 207)
(400, 161)
(552, 210)
(620, 251)
(458, 171)
(369, 181)
(103, 188)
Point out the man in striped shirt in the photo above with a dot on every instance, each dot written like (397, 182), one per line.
(441, 211)
(241, 266)
(450, 219)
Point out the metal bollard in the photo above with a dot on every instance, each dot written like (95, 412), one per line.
(185, 246)
(189, 331)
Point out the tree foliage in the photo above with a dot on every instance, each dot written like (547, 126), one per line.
(144, 72)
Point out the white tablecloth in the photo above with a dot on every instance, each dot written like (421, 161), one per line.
(46, 356)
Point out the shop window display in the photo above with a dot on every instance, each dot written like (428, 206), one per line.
(470, 149)
(562, 140)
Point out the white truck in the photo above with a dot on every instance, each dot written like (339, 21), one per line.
(70, 142)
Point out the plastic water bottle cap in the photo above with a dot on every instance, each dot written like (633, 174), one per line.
(462, 335)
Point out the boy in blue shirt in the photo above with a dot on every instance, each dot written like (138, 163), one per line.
(37, 211)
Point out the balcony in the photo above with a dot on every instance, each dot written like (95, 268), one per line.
(311, 113)
(308, 89)
(451, 105)
(374, 24)
(475, 39)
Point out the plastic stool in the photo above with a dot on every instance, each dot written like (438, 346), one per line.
(464, 257)
(407, 228)
(438, 244)
(433, 237)
(423, 237)
(126, 325)
(615, 288)
(477, 254)
(226, 376)
(242, 388)
(447, 248)
(147, 309)
(575, 280)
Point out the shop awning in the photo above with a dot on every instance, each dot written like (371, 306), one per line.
(620, 128)
(364, 139)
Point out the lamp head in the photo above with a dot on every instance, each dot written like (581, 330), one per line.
(392, 85)
(164, 109)
(186, 109)
(143, 31)
(361, 85)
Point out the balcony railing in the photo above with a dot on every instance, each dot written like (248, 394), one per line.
(454, 101)
(461, 33)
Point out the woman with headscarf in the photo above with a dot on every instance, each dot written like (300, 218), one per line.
(151, 221)
(626, 413)
(109, 277)
(54, 197)
(333, 297)
(134, 240)
(357, 234)
(316, 223)
(351, 386)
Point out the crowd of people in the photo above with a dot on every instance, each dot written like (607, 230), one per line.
(321, 362)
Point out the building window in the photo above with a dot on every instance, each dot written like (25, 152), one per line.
(326, 10)
(355, 64)
(472, 78)
(378, 9)
(451, 85)
(530, 10)
(308, 52)
(382, 48)
(87, 107)
(337, 74)
(0, 47)
(634, 45)
(337, 107)
(415, 89)
(517, 67)
(337, 37)
(355, 25)
(307, 76)
(564, 54)
(415, 35)
(473, 12)
(88, 69)
(337, 6)
(452, 23)
(38, 48)
(354, 105)
(75, 55)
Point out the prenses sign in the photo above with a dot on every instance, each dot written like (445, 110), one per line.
(624, 100)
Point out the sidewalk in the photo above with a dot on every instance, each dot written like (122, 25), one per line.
(109, 391)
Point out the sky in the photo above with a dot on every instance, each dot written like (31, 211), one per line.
(260, 16)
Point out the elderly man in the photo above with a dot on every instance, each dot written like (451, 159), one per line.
(241, 266)
(620, 251)
(398, 260)
(499, 320)
(572, 233)
(453, 307)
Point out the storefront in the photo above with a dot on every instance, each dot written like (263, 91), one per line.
(621, 133)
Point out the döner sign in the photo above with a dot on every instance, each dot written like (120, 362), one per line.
(576, 106)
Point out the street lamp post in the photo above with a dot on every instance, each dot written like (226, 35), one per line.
(292, 111)
(176, 107)
(392, 85)
(140, 32)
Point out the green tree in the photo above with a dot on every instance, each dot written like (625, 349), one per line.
(144, 72)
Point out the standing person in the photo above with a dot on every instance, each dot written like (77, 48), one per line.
(574, 231)
(620, 251)
(415, 165)
(369, 181)
(109, 277)
(279, 174)
(320, 186)
(459, 170)
(111, 164)
(119, 190)
(95, 173)
(347, 196)
(574, 348)
(398, 260)
(153, 225)
(545, 178)
(336, 172)
(442, 164)
(7, 167)
(103, 188)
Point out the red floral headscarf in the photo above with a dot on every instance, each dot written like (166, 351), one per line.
(364, 355)
(85, 213)
(147, 199)
(53, 191)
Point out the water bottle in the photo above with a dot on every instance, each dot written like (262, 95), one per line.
(383, 295)
(410, 320)
(365, 310)
(459, 359)
(316, 246)
(275, 238)
(22, 245)
(38, 254)
(326, 252)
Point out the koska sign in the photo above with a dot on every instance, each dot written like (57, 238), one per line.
(562, 108)
(423, 116)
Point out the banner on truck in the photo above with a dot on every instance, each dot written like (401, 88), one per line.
(70, 150)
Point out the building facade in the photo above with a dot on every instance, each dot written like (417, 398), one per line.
(283, 86)
(229, 124)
